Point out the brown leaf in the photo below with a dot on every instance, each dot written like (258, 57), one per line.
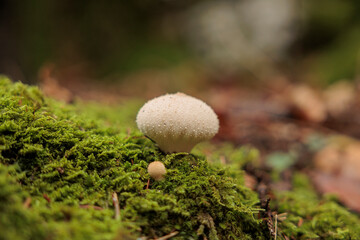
(339, 97)
(346, 189)
(307, 104)
(250, 181)
(51, 87)
(340, 158)
(338, 171)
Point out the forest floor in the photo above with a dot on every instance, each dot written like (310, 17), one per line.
(294, 126)
(307, 139)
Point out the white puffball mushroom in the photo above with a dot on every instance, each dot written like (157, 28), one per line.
(177, 122)
(157, 170)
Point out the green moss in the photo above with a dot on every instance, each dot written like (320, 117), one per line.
(13, 215)
(60, 165)
(69, 161)
(311, 217)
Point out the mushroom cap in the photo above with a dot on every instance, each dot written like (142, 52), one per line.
(177, 122)
(157, 170)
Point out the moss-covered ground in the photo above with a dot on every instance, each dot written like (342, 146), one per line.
(309, 216)
(64, 169)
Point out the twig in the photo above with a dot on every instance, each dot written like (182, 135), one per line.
(91, 206)
(148, 183)
(276, 218)
(27, 202)
(300, 222)
(116, 206)
(47, 198)
(282, 216)
(170, 235)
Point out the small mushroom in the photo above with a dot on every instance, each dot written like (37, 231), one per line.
(157, 170)
(177, 122)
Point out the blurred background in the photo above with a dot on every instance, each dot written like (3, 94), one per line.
(169, 45)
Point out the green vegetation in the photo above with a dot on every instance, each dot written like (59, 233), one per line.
(311, 217)
(60, 165)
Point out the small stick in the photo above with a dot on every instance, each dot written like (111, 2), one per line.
(47, 198)
(148, 183)
(300, 222)
(91, 206)
(27, 202)
(276, 218)
(223, 160)
(116, 206)
(170, 235)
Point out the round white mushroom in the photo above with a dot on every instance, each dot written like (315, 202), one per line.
(157, 170)
(177, 122)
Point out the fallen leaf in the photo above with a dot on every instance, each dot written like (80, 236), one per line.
(339, 97)
(346, 189)
(307, 104)
(337, 171)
